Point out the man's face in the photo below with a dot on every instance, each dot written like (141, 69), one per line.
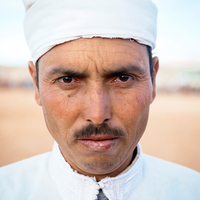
(95, 94)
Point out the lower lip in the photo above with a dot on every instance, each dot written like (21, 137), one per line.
(98, 145)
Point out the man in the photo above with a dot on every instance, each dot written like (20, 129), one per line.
(94, 77)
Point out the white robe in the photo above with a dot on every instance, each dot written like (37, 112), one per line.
(49, 177)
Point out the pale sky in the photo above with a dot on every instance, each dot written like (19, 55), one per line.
(178, 31)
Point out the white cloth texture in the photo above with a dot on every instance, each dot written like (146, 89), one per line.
(49, 177)
(51, 22)
(114, 188)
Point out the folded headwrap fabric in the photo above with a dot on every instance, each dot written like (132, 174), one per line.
(52, 22)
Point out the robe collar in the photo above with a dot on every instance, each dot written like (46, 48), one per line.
(72, 185)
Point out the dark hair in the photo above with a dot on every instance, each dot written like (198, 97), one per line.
(150, 66)
(37, 73)
(150, 63)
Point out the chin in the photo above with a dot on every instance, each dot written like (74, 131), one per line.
(100, 166)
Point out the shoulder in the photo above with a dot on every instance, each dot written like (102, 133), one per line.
(169, 180)
(23, 166)
(20, 177)
(169, 169)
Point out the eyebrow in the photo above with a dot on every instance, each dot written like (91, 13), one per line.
(67, 72)
(107, 73)
(123, 70)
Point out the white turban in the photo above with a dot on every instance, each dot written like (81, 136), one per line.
(52, 22)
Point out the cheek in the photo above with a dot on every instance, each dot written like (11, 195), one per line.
(133, 103)
(60, 111)
(133, 109)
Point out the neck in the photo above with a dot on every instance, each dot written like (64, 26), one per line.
(113, 173)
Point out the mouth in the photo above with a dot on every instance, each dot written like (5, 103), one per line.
(98, 143)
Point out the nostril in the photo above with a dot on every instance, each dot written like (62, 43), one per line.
(106, 120)
(96, 117)
(97, 121)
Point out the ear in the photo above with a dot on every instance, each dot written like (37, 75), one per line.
(155, 70)
(32, 71)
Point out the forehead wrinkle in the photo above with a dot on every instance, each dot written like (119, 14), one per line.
(95, 62)
(101, 56)
(106, 51)
(82, 45)
(134, 51)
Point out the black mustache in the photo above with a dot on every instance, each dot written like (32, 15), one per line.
(102, 129)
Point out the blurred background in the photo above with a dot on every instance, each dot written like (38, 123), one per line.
(173, 131)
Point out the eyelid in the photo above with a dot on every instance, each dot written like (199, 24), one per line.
(131, 76)
(61, 78)
(64, 77)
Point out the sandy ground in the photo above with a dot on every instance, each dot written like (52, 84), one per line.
(173, 131)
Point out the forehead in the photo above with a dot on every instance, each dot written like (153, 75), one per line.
(102, 52)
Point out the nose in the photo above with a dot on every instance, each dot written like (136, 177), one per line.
(98, 108)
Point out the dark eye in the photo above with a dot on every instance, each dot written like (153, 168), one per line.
(66, 79)
(124, 78)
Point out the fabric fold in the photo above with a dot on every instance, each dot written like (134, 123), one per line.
(60, 21)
